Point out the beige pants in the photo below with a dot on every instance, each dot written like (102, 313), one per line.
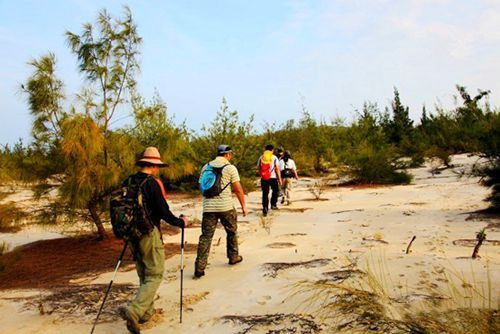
(286, 189)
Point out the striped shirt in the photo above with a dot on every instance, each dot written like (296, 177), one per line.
(224, 201)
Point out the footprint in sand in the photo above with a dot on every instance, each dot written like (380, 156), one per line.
(263, 300)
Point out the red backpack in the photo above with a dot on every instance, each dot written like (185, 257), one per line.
(265, 168)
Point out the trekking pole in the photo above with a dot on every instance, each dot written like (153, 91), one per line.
(182, 269)
(109, 287)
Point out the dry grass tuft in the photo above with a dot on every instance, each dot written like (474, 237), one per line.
(317, 189)
(361, 304)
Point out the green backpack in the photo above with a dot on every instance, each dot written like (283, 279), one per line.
(129, 216)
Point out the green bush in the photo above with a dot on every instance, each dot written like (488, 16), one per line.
(10, 217)
(367, 164)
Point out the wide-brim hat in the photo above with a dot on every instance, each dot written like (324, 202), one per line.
(151, 156)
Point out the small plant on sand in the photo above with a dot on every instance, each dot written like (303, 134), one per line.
(265, 223)
(480, 237)
(317, 189)
(378, 236)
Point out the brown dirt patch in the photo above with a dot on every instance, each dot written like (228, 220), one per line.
(473, 242)
(274, 323)
(81, 301)
(339, 276)
(53, 263)
(273, 268)
(301, 210)
(281, 245)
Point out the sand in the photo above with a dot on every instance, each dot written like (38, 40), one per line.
(306, 241)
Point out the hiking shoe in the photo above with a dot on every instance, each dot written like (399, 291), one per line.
(237, 259)
(132, 324)
(199, 274)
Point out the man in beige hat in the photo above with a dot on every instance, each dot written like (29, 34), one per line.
(149, 254)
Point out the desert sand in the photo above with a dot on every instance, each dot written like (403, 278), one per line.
(362, 229)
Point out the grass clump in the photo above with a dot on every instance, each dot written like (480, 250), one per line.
(363, 304)
(10, 217)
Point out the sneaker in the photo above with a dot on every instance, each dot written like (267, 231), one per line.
(264, 212)
(199, 274)
(237, 259)
(274, 207)
(132, 324)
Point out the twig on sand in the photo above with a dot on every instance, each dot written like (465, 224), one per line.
(409, 245)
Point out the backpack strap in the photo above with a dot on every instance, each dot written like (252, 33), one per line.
(162, 187)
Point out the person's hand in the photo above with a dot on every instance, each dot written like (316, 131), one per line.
(186, 220)
(245, 211)
(280, 182)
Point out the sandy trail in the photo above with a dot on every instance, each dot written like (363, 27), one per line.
(371, 227)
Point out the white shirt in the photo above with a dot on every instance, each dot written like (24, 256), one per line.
(290, 164)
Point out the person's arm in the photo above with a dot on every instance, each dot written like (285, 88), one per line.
(278, 172)
(160, 205)
(295, 171)
(240, 194)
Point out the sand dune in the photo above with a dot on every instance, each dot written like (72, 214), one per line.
(352, 232)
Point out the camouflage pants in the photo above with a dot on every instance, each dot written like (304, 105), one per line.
(149, 256)
(228, 219)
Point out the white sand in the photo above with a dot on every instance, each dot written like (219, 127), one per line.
(431, 208)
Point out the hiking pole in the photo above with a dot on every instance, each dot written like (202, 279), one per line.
(109, 286)
(182, 269)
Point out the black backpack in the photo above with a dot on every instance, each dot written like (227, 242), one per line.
(129, 215)
(287, 172)
(211, 181)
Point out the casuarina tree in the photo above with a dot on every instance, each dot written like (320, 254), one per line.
(95, 157)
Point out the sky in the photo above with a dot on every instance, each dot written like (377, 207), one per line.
(267, 58)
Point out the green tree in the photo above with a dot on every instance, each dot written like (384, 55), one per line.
(400, 126)
(226, 128)
(95, 157)
(154, 128)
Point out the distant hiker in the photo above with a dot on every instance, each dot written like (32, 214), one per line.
(270, 177)
(216, 179)
(280, 153)
(148, 203)
(288, 172)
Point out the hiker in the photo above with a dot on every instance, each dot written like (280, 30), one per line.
(148, 251)
(280, 153)
(216, 179)
(270, 177)
(288, 172)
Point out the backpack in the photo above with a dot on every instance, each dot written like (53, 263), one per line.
(211, 181)
(129, 216)
(265, 169)
(287, 172)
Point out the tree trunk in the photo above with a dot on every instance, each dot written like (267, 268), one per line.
(97, 221)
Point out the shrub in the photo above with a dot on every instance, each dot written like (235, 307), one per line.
(368, 164)
(10, 217)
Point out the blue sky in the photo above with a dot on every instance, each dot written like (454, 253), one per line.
(266, 57)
